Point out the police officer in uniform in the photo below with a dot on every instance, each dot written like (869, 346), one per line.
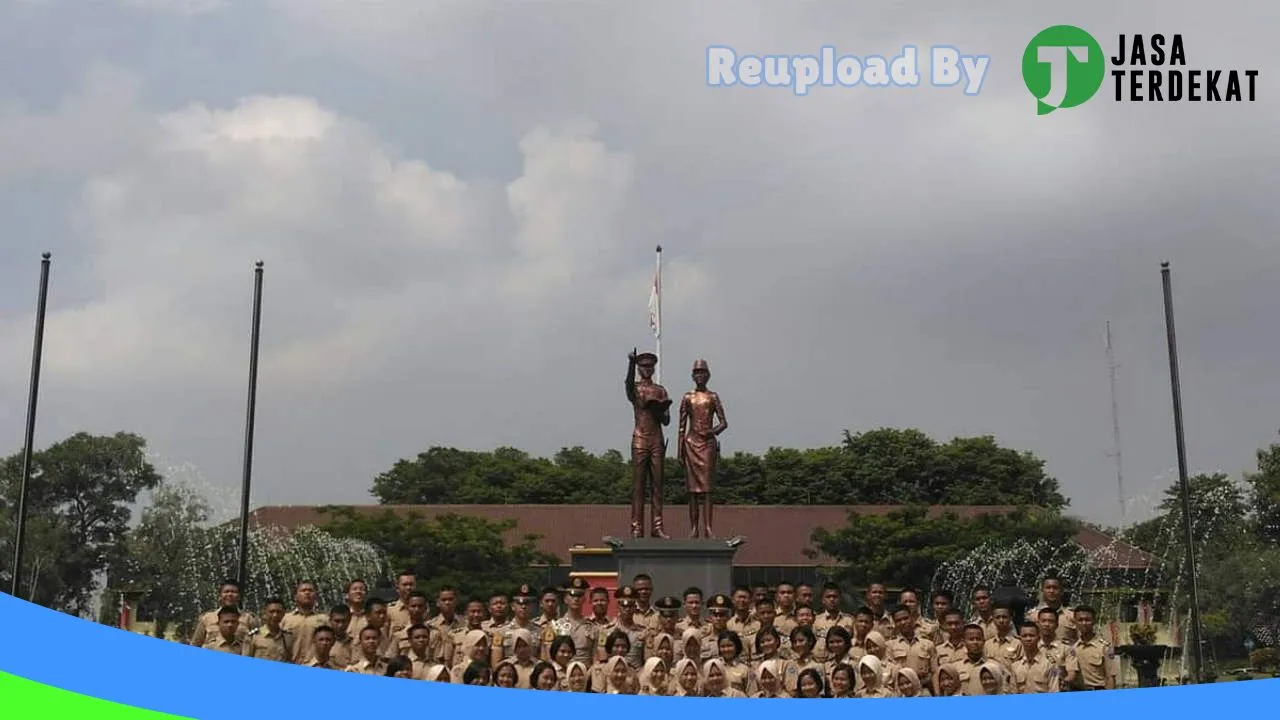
(625, 597)
(668, 609)
(585, 634)
(720, 608)
(503, 639)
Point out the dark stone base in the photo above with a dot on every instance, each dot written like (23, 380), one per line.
(676, 565)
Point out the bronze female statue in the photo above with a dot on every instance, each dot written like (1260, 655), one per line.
(699, 447)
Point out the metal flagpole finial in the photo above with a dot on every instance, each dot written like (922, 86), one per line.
(659, 248)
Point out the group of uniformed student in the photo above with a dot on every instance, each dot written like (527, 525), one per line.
(756, 643)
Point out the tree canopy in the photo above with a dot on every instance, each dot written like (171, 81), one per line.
(1236, 546)
(78, 509)
(885, 466)
(466, 553)
(906, 547)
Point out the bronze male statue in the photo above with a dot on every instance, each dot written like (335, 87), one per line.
(652, 409)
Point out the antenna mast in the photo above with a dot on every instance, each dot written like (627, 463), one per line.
(1115, 426)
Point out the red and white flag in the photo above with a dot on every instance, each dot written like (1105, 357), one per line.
(655, 301)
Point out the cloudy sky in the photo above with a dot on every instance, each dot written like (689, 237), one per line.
(457, 204)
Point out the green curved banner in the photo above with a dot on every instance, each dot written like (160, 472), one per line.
(26, 699)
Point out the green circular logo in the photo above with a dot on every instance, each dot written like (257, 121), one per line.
(1063, 66)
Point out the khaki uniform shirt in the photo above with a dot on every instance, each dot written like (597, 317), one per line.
(1004, 651)
(386, 643)
(784, 623)
(1055, 651)
(884, 624)
(791, 673)
(1093, 661)
(749, 644)
(1036, 675)
(711, 645)
(267, 645)
(741, 677)
(400, 642)
(586, 636)
(446, 630)
(303, 627)
(1066, 622)
(970, 679)
(646, 618)
(988, 626)
(651, 639)
(358, 621)
(635, 633)
(919, 655)
(823, 624)
(504, 638)
(925, 629)
(458, 635)
(342, 652)
(221, 644)
(206, 632)
(369, 667)
(397, 616)
(750, 626)
(331, 664)
(949, 654)
(685, 623)
(420, 665)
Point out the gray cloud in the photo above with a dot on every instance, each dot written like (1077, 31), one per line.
(458, 202)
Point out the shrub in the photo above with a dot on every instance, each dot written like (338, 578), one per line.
(1265, 658)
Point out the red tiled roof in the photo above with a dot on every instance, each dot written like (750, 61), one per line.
(777, 535)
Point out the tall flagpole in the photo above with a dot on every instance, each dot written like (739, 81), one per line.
(657, 331)
(243, 560)
(19, 543)
(1193, 583)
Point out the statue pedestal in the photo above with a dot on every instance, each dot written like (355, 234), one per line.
(676, 565)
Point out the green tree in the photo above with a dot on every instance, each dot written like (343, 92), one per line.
(907, 547)
(1238, 572)
(1264, 495)
(79, 505)
(465, 552)
(1219, 512)
(883, 466)
(158, 565)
